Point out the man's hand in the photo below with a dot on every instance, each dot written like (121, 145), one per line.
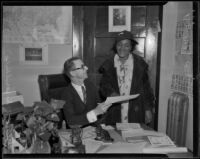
(148, 116)
(101, 108)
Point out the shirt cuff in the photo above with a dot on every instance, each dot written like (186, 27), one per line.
(91, 116)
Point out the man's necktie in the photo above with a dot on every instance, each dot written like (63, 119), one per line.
(84, 94)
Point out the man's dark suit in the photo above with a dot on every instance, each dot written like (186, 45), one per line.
(74, 109)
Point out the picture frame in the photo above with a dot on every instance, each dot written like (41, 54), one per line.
(119, 18)
(33, 54)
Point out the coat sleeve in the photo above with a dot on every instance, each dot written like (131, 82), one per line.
(106, 82)
(148, 92)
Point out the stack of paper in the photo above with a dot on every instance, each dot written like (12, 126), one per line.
(162, 144)
(128, 129)
(157, 141)
(141, 132)
(127, 126)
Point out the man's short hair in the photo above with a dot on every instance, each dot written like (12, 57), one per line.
(69, 65)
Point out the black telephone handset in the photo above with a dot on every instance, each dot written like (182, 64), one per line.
(102, 135)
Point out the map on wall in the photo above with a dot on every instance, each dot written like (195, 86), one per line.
(46, 24)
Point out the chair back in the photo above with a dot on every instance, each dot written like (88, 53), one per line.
(51, 87)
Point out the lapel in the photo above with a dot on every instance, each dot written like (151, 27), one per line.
(87, 91)
(76, 93)
(113, 72)
(136, 77)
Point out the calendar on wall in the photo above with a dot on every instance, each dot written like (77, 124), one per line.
(182, 83)
(184, 38)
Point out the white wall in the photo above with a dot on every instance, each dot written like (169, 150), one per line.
(24, 78)
(172, 12)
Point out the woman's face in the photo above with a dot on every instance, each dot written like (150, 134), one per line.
(124, 48)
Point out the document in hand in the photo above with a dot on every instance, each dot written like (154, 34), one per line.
(127, 126)
(118, 99)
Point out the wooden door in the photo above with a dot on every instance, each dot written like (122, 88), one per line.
(97, 41)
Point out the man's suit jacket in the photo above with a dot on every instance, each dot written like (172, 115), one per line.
(74, 109)
(140, 85)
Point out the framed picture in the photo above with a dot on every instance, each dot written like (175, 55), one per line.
(119, 18)
(33, 54)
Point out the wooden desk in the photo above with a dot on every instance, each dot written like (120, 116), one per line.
(118, 138)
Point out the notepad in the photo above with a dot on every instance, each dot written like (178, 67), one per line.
(160, 141)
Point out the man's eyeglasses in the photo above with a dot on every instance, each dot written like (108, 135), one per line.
(82, 67)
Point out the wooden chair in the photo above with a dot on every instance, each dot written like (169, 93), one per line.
(51, 87)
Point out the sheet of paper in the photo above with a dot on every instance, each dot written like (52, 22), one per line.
(141, 132)
(89, 132)
(137, 139)
(117, 99)
(127, 126)
(131, 132)
(91, 145)
(123, 147)
(65, 138)
(165, 150)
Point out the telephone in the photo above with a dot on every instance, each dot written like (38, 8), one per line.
(102, 135)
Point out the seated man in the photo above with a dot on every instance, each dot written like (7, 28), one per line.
(82, 100)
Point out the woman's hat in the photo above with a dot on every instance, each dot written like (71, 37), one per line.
(125, 35)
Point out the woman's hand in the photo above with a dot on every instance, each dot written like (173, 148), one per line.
(148, 116)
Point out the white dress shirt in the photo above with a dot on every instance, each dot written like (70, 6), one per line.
(91, 116)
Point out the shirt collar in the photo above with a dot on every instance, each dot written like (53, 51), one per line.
(128, 62)
(77, 86)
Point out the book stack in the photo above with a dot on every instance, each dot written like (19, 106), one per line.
(162, 145)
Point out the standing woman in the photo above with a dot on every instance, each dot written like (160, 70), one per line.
(126, 73)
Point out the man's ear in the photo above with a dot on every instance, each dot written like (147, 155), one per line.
(72, 73)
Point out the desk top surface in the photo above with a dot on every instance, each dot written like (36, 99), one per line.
(125, 147)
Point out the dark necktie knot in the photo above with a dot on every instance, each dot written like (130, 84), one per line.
(84, 93)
